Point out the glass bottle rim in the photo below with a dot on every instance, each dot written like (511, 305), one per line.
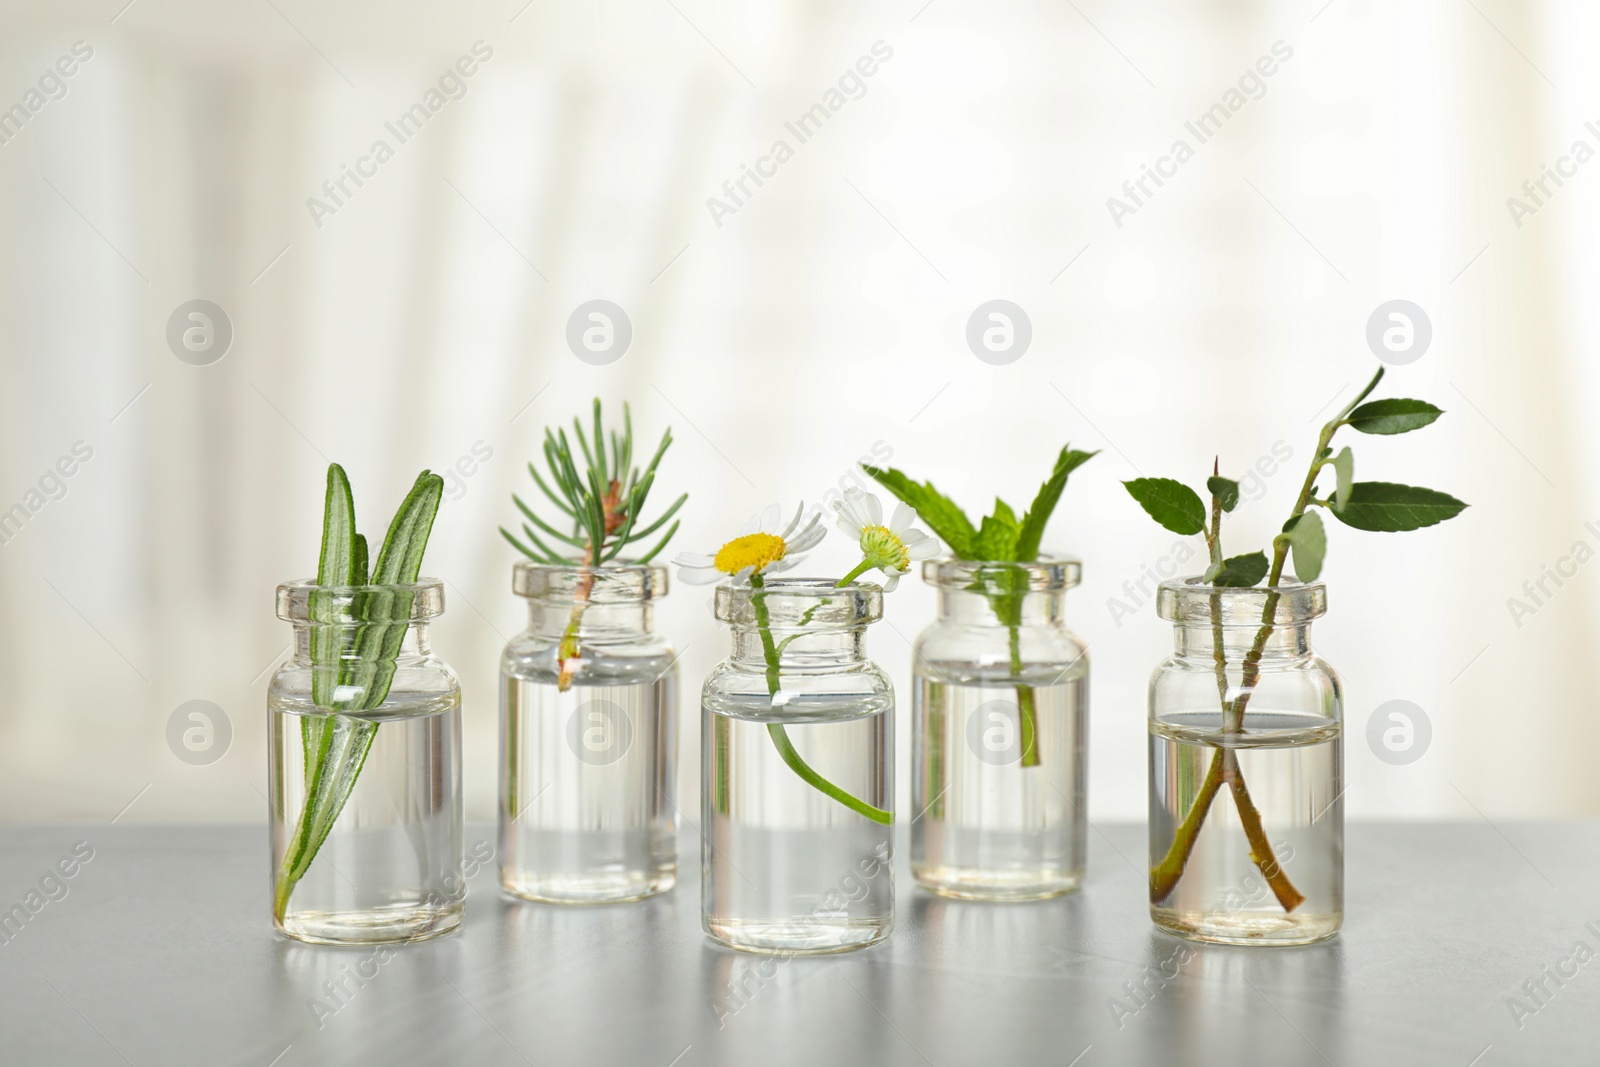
(1047, 574)
(623, 582)
(1187, 601)
(304, 601)
(822, 605)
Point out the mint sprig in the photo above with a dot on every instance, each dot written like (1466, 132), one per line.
(999, 539)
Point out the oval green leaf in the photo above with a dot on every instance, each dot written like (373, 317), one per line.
(1171, 503)
(1241, 572)
(1393, 415)
(1344, 469)
(1388, 507)
(1308, 543)
(1226, 490)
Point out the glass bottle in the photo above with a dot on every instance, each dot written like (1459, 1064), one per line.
(999, 733)
(365, 801)
(787, 868)
(1246, 769)
(588, 738)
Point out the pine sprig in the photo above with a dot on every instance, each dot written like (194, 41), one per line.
(600, 503)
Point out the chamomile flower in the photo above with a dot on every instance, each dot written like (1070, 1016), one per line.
(892, 548)
(765, 546)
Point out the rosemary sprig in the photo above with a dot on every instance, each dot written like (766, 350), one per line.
(1001, 539)
(352, 667)
(1378, 506)
(600, 508)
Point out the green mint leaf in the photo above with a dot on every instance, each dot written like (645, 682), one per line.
(1226, 490)
(1003, 513)
(1241, 572)
(1344, 469)
(1031, 531)
(947, 521)
(995, 541)
(1387, 507)
(1394, 415)
(1308, 542)
(1171, 503)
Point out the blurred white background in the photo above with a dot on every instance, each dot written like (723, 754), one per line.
(822, 318)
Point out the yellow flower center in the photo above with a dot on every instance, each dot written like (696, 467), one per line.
(756, 551)
(884, 550)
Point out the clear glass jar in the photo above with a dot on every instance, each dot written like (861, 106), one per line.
(364, 768)
(786, 868)
(588, 739)
(999, 733)
(1246, 769)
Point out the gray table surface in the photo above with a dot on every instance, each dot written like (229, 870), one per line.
(161, 953)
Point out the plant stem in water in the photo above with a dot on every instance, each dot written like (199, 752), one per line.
(780, 736)
(1225, 762)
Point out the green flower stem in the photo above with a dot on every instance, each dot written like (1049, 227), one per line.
(1225, 762)
(780, 736)
(861, 568)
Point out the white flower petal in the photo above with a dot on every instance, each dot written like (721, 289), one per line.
(874, 509)
(850, 506)
(849, 528)
(927, 548)
(694, 559)
(799, 511)
(750, 527)
(808, 538)
(770, 516)
(890, 580)
(904, 516)
(699, 575)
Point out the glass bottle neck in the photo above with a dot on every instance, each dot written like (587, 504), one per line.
(798, 650)
(598, 623)
(968, 608)
(415, 642)
(1283, 641)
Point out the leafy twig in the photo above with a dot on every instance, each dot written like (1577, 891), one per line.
(1362, 505)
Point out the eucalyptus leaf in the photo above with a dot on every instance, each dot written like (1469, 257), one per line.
(1388, 507)
(1344, 469)
(1171, 503)
(1226, 490)
(1308, 541)
(1241, 572)
(1393, 415)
